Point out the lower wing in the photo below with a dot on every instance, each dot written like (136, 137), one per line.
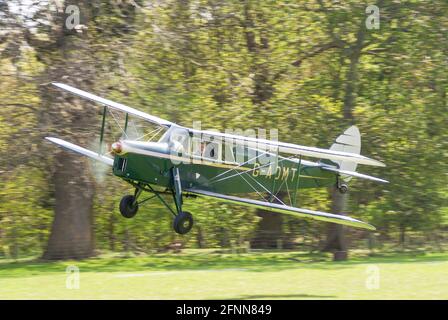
(299, 212)
(81, 150)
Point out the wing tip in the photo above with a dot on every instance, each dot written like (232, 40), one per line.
(380, 164)
(378, 179)
(374, 162)
(369, 227)
(52, 139)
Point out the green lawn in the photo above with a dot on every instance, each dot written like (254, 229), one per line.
(203, 274)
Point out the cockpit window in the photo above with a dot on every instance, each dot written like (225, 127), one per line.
(210, 150)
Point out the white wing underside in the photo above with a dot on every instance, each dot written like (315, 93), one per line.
(81, 150)
(298, 212)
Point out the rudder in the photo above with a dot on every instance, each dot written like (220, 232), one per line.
(349, 141)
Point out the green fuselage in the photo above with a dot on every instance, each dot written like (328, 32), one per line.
(286, 175)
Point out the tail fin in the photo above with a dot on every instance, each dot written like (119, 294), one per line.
(349, 141)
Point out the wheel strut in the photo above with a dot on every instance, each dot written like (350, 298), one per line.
(137, 193)
(183, 221)
(177, 189)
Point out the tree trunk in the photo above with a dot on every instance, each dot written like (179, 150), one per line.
(111, 232)
(200, 237)
(71, 233)
(70, 58)
(336, 241)
(269, 230)
(402, 235)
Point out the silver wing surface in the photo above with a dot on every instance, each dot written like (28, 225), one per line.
(81, 150)
(114, 105)
(353, 174)
(299, 212)
(276, 146)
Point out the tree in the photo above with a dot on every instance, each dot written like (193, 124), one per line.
(66, 48)
(336, 241)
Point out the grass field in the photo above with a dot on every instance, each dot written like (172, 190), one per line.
(203, 274)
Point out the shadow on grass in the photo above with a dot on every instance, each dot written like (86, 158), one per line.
(197, 261)
(282, 296)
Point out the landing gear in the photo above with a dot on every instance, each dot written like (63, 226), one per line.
(343, 188)
(128, 206)
(183, 222)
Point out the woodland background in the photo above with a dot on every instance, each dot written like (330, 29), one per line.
(307, 68)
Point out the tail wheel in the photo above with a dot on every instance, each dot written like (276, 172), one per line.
(183, 222)
(128, 208)
(343, 188)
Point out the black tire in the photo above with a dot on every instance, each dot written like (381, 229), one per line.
(183, 222)
(127, 209)
(343, 188)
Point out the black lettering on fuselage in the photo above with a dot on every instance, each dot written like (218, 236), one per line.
(282, 173)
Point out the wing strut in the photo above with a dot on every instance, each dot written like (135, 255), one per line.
(102, 130)
(298, 180)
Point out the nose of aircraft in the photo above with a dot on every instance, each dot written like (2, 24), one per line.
(117, 147)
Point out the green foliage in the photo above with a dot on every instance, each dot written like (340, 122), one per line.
(25, 214)
(243, 65)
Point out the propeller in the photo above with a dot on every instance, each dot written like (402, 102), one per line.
(100, 170)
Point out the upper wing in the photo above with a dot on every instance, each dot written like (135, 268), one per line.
(114, 105)
(81, 150)
(303, 213)
(247, 141)
(289, 148)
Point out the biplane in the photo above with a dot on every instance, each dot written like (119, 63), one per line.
(189, 162)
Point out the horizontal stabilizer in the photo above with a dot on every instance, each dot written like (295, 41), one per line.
(113, 105)
(299, 212)
(353, 174)
(80, 150)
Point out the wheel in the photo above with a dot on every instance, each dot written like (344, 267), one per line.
(343, 188)
(127, 208)
(183, 222)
